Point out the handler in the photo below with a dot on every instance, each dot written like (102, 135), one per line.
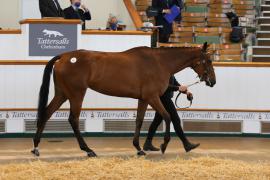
(167, 102)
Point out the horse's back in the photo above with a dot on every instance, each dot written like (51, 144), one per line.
(133, 61)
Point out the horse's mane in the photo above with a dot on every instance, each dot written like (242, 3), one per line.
(162, 48)
(181, 47)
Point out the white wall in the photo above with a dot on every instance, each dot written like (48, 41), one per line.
(14, 10)
(21, 83)
(10, 14)
(114, 43)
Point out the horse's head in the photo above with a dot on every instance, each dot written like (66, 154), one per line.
(204, 67)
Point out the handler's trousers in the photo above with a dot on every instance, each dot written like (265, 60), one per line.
(169, 106)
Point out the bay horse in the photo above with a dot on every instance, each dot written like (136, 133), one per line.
(141, 73)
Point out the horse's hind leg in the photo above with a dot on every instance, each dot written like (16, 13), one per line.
(157, 105)
(55, 104)
(75, 110)
(142, 106)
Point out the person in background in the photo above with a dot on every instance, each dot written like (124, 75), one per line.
(77, 11)
(112, 23)
(163, 7)
(50, 8)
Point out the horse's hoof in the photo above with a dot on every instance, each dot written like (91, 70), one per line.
(91, 154)
(163, 148)
(141, 153)
(35, 152)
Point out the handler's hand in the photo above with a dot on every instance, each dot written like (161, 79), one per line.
(183, 89)
(84, 8)
(189, 96)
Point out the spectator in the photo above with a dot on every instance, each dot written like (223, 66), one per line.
(50, 8)
(163, 8)
(112, 23)
(77, 11)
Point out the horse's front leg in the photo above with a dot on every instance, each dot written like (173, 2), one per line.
(157, 105)
(142, 106)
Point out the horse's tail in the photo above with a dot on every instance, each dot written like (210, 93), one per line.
(44, 90)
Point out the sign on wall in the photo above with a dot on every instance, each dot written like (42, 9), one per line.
(124, 121)
(52, 39)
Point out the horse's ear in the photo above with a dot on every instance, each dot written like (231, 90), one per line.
(205, 46)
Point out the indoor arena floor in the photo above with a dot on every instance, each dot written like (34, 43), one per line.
(63, 149)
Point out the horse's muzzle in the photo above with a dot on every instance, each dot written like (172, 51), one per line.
(210, 83)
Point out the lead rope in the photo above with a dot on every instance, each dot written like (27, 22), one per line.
(189, 98)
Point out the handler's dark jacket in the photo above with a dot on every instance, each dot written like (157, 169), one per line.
(173, 86)
(71, 13)
(160, 20)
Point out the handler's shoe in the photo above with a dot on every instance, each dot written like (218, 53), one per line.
(189, 146)
(148, 146)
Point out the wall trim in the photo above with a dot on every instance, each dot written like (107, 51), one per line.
(50, 21)
(106, 32)
(10, 31)
(241, 64)
(23, 62)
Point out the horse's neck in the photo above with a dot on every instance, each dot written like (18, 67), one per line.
(176, 59)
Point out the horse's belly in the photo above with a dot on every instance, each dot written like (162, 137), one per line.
(116, 78)
(116, 89)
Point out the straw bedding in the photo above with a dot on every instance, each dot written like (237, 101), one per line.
(137, 168)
